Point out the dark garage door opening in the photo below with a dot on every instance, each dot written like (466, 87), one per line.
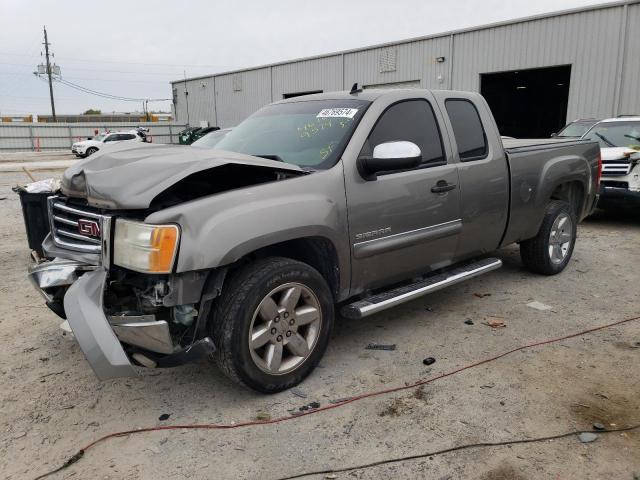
(528, 103)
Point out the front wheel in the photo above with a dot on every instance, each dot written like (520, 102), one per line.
(550, 250)
(272, 323)
(90, 151)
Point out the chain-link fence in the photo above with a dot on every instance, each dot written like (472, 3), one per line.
(60, 136)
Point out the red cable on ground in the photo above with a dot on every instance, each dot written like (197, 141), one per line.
(356, 398)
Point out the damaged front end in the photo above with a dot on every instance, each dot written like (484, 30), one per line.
(113, 276)
(119, 317)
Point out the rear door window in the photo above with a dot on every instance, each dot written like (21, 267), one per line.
(467, 129)
(412, 121)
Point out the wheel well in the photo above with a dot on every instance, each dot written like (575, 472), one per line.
(571, 192)
(318, 252)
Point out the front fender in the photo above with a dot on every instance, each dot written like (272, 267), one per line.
(220, 229)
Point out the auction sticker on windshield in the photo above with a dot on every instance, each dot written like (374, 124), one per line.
(337, 113)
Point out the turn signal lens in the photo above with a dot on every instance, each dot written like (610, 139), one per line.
(145, 248)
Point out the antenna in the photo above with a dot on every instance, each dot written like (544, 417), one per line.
(355, 89)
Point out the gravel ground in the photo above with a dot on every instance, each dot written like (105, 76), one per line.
(52, 404)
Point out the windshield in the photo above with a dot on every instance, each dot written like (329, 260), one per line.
(99, 138)
(307, 133)
(575, 129)
(616, 134)
(211, 139)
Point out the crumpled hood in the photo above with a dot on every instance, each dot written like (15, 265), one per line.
(615, 153)
(131, 177)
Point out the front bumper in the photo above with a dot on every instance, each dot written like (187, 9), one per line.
(619, 196)
(101, 347)
(103, 338)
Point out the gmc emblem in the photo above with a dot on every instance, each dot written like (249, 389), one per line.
(89, 227)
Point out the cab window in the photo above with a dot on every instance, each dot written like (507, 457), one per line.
(412, 121)
(467, 129)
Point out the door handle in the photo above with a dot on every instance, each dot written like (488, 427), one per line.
(442, 187)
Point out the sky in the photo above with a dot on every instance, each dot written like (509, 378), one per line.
(134, 49)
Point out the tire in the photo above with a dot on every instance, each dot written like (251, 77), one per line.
(295, 289)
(90, 151)
(549, 252)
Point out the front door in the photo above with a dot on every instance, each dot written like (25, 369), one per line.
(403, 223)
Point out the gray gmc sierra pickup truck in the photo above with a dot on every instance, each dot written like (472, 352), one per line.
(355, 201)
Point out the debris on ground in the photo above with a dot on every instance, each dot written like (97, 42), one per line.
(340, 400)
(262, 416)
(468, 322)
(429, 361)
(598, 426)
(539, 306)
(308, 406)
(494, 322)
(420, 393)
(587, 437)
(395, 408)
(380, 346)
(482, 295)
(298, 393)
(164, 416)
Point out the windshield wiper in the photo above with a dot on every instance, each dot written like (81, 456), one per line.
(604, 139)
(631, 136)
(277, 158)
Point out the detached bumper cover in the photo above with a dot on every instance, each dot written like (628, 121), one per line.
(101, 347)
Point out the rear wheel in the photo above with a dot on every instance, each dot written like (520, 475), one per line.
(271, 325)
(550, 250)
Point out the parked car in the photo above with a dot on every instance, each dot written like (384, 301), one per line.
(356, 200)
(619, 140)
(211, 139)
(191, 134)
(90, 146)
(577, 128)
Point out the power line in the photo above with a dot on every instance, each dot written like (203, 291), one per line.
(176, 65)
(109, 95)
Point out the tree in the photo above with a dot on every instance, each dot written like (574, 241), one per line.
(91, 111)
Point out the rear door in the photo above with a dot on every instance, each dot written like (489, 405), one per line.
(482, 169)
(398, 226)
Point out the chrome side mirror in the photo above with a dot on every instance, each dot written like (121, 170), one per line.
(389, 157)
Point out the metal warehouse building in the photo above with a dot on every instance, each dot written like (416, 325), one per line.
(537, 73)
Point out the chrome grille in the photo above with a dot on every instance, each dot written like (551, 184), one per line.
(75, 228)
(616, 167)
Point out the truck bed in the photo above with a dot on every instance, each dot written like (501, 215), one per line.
(519, 143)
(536, 166)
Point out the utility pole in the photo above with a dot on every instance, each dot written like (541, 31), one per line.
(186, 96)
(46, 49)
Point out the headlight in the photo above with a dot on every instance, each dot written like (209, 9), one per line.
(145, 248)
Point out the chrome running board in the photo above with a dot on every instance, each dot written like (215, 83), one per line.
(391, 298)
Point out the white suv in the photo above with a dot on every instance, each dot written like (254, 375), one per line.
(619, 140)
(89, 147)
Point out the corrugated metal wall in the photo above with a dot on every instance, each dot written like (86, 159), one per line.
(588, 41)
(604, 55)
(308, 75)
(238, 95)
(413, 61)
(630, 91)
